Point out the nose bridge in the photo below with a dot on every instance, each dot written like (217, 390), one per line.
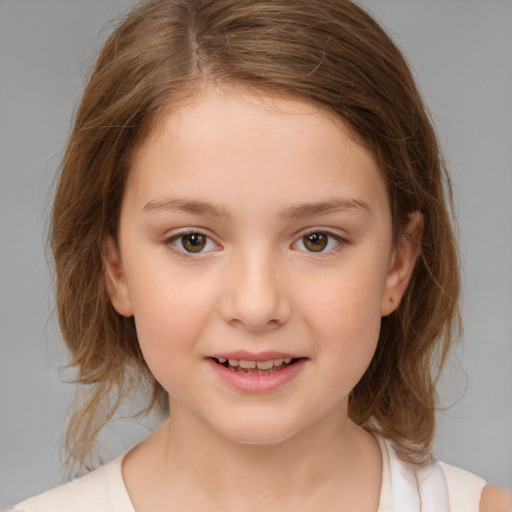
(255, 296)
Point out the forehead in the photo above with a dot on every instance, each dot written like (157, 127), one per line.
(212, 113)
(223, 141)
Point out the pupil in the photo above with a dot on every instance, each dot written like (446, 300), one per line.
(194, 242)
(195, 239)
(315, 242)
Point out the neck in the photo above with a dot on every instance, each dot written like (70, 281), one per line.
(332, 458)
(224, 465)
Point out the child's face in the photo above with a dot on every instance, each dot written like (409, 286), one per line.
(256, 229)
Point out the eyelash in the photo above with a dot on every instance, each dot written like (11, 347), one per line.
(341, 242)
(172, 240)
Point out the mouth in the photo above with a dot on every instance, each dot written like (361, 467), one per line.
(257, 373)
(248, 366)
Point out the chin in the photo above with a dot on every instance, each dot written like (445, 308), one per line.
(258, 433)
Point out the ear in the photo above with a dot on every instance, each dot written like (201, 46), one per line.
(115, 279)
(402, 263)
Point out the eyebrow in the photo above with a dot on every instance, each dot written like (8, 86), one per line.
(298, 211)
(333, 205)
(186, 206)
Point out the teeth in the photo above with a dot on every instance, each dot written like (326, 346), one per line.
(251, 365)
(264, 365)
(246, 364)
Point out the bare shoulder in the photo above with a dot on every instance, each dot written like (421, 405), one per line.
(495, 499)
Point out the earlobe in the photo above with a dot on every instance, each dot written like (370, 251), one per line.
(115, 279)
(402, 264)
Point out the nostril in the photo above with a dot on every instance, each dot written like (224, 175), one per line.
(255, 325)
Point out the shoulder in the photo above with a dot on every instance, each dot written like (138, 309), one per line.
(101, 490)
(434, 486)
(470, 492)
(495, 499)
(464, 488)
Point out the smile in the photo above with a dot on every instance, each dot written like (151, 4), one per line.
(255, 367)
(256, 373)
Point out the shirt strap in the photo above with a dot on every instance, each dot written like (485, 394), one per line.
(417, 488)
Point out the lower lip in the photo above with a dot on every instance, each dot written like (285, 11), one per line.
(255, 382)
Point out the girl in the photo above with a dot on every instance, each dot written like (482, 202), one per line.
(250, 219)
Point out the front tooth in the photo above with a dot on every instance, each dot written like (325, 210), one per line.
(247, 364)
(278, 362)
(288, 360)
(264, 365)
(233, 362)
(222, 360)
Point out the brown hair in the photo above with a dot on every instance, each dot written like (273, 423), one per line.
(329, 52)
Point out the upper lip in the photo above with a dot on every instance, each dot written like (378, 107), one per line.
(252, 356)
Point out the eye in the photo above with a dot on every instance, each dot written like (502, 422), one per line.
(318, 241)
(191, 242)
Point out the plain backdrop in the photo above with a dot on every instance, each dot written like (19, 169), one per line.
(461, 51)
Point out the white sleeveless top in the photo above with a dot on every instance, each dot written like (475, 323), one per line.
(436, 487)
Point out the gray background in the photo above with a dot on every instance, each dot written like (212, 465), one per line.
(461, 51)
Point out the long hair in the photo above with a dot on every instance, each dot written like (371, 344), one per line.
(327, 52)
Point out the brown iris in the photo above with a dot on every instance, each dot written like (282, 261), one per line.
(315, 242)
(193, 242)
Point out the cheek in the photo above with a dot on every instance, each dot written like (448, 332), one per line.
(347, 342)
(348, 298)
(349, 328)
(344, 315)
(169, 317)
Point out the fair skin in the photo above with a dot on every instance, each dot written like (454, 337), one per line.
(255, 229)
(495, 499)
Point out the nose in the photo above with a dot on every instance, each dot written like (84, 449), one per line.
(254, 294)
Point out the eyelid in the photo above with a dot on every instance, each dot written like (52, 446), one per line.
(170, 240)
(342, 240)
